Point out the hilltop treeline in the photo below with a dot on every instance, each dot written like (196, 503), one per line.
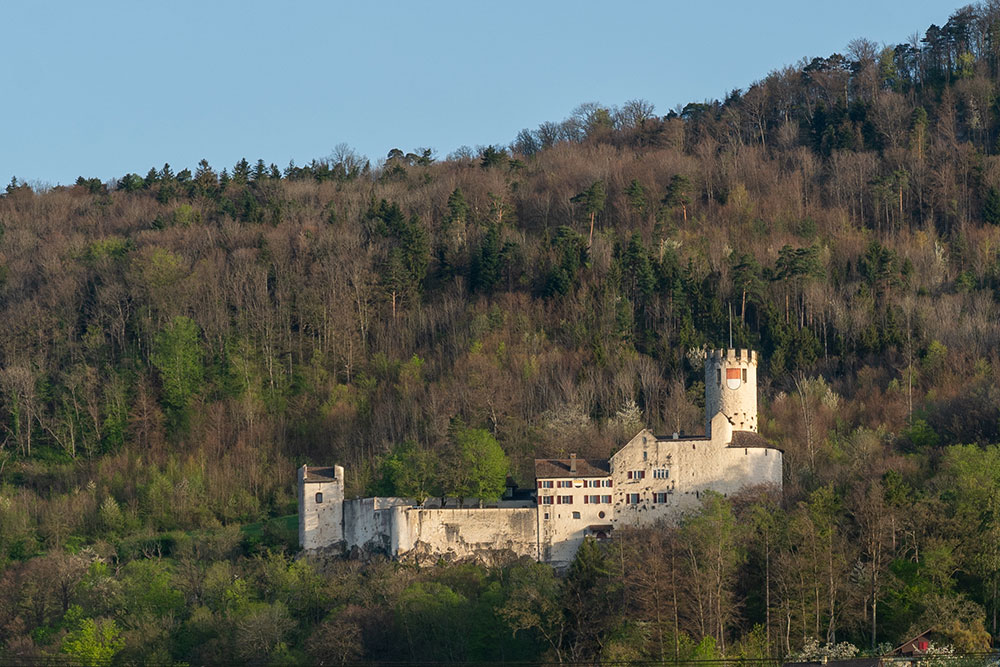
(176, 343)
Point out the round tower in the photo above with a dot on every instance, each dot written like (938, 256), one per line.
(731, 388)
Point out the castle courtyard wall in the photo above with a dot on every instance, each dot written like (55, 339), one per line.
(368, 523)
(396, 528)
(427, 535)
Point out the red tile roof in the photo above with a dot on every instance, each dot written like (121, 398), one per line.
(750, 440)
(555, 468)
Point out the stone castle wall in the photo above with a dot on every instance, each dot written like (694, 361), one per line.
(487, 534)
(368, 524)
(396, 527)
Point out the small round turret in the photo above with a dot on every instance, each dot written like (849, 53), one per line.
(731, 388)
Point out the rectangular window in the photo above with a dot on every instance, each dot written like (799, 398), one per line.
(567, 500)
(594, 500)
(744, 375)
(661, 473)
(545, 500)
(576, 515)
(607, 483)
(633, 498)
(547, 484)
(606, 500)
(565, 484)
(546, 515)
(659, 497)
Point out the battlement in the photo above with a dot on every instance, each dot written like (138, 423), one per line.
(732, 356)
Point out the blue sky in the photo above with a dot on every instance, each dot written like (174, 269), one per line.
(101, 89)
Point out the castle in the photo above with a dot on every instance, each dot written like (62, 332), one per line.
(652, 478)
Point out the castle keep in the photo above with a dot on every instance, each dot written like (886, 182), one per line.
(652, 478)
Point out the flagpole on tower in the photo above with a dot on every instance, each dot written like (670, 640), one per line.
(730, 326)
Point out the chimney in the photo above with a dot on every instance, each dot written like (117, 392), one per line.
(572, 463)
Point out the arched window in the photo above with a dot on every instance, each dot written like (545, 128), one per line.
(319, 497)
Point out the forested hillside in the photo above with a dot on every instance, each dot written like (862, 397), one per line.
(175, 344)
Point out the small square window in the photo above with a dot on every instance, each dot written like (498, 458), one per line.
(576, 515)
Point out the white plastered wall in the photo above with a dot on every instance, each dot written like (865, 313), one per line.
(561, 533)
(695, 465)
(320, 523)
